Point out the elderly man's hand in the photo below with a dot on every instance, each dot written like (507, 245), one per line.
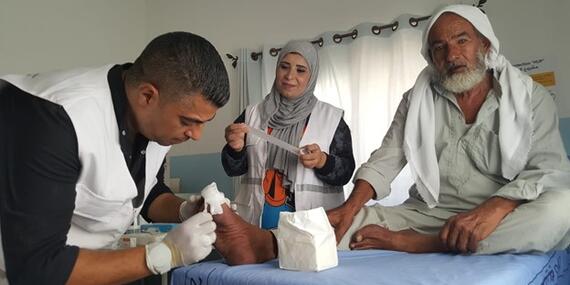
(464, 231)
(341, 219)
(370, 237)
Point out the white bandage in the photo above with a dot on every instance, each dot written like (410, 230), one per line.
(213, 199)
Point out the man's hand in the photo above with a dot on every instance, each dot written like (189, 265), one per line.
(341, 219)
(312, 156)
(371, 236)
(235, 136)
(464, 231)
(189, 242)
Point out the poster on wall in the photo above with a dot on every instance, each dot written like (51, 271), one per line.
(541, 70)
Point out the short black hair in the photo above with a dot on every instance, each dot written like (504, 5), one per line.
(180, 63)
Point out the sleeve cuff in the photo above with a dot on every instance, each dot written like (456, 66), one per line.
(235, 155)
(328, 167)
(378, 182)
(519, 190)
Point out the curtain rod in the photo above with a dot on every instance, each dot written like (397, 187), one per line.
(337, 38)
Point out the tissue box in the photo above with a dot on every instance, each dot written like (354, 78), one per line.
(306, 241)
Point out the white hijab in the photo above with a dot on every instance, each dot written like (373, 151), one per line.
(515, 127)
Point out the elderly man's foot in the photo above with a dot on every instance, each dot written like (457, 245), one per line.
(240, 242)
(377, 237)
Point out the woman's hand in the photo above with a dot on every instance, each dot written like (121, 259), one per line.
(235, 136)
(312, 156)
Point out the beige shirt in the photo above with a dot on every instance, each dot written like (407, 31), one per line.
(469, 155)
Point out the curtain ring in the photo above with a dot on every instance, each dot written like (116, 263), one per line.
(337, 38)
(395, 26)
(255, 55)
(415, 21)
(318, 41)
(233, 58)
(378, 29)
(274, 51)
(354, 34)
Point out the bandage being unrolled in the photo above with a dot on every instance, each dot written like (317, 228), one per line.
(306, 241)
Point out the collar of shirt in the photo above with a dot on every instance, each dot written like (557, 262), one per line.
(489, 106)
(119, 96)
(133, 152)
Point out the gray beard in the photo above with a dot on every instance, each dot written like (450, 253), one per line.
(464, 81)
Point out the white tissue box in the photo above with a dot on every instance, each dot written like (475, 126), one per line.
(306, 241)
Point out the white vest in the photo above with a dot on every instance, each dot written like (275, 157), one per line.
(310, 192)
(105, 189)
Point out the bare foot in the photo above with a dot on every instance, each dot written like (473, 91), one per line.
(240, 242)
(375, 236)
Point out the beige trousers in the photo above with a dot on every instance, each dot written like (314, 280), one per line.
(536, 226)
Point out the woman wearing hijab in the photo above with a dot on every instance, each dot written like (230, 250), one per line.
(275, 179)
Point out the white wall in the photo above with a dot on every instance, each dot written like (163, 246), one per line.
(529, 29)
(45, 35)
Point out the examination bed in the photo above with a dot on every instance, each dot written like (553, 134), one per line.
(389, 267)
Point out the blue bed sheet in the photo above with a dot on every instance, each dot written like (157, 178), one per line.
(389, 267)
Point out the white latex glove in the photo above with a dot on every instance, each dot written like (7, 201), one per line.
(189, 207)
(189, 242)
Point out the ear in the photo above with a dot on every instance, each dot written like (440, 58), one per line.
(486, 44)
(430, 57)
(147, 94)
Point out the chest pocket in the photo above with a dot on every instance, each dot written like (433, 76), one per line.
(483, 149)
(98, 214)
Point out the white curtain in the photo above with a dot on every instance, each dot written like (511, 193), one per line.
(366, 77)
(249, 79)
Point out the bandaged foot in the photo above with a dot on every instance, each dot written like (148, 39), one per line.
(240, 242)
(213, 199)
(209, 201)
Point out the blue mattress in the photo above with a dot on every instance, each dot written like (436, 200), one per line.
(389, 267)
